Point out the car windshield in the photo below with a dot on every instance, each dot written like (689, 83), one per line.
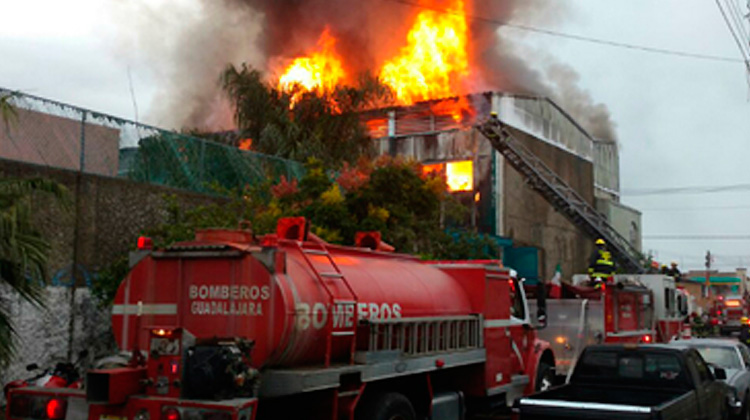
(724, 357)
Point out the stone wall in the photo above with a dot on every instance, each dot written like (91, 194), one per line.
(102, 223)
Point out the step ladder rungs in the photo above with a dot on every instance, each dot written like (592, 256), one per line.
(314, 251)
(332, 275)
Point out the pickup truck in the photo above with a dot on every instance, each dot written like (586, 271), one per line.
(630, 381)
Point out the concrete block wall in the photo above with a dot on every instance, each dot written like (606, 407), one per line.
(103, 222)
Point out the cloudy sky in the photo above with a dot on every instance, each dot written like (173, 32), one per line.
(682, 122)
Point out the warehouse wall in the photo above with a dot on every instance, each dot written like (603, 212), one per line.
(531, 221)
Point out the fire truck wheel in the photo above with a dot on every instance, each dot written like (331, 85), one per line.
(545, 377)
(390, 406)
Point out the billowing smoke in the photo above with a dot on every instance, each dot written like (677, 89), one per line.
(189, 48)
(594, 117)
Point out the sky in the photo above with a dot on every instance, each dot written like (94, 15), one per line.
(681, 122)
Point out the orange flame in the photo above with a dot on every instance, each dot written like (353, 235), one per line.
(435, 61)
(245, 144)
(321, 71)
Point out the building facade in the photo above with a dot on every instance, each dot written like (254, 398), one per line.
(442, 138)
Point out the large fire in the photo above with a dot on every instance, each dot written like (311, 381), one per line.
(321, 71)
(435, 61)
(433, 64)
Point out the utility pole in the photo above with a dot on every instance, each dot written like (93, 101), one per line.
(708, 274)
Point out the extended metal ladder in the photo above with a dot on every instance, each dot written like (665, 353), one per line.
(559, 194)
(342, 306)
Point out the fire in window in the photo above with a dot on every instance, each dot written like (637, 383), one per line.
(458, 175)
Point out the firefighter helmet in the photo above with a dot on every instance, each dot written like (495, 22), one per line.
(600, 241)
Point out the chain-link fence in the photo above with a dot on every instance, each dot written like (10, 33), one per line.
(49, 133)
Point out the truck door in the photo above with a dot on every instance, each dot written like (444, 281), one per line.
(519, 321)
(709, 392)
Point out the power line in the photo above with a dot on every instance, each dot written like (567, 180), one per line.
(497, 22)
(736, 37)
(694, 208)
(685, 190)
(697, 237)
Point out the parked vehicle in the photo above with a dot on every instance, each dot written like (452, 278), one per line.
(233, 327)
(630, 381)
(734, 358)
(59, 375)
(734, 309)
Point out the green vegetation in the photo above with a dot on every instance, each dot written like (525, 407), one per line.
(299, 125)
(23, 250)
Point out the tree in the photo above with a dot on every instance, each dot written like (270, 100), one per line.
(300, 124)
(23, 250)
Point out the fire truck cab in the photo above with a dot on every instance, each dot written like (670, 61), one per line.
(733, 309)
(668, 315)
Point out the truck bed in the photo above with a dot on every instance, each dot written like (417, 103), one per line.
(647, 397)
(591, 402)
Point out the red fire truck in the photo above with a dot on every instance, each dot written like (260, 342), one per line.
(669, 312)
(616, 313)
(233, 327)
(729, 311)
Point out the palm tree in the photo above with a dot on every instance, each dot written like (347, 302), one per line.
(23, 250)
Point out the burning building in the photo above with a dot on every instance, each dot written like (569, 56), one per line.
(535, 237)
(426, 51)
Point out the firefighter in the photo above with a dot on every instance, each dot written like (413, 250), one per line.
(601, 266)
(674, 272)
(697, 325)
(745, 331)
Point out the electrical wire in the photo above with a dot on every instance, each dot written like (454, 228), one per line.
(685, 190)
(528, 28)
(697, 237)
(694, 208)
(735, 36)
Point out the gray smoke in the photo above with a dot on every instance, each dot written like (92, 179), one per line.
(594, 117)
(189, 48)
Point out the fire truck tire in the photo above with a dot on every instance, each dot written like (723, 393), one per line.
(545, 377)
(388, 406)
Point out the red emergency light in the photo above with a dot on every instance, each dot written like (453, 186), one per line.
(170, 413)
(56, 409)
(721, 298)
(646, 338)
(145, 243)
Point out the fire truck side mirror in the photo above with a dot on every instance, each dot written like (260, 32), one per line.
(541, 305)
(541, 318)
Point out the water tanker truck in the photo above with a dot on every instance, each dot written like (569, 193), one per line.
(233, 327)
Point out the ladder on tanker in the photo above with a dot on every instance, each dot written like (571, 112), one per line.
(341, 324)
(559, 194)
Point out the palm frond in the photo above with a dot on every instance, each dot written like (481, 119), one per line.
(24, 252)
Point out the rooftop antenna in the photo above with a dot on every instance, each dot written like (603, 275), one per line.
(132, 95)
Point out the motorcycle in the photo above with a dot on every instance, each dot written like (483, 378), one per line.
(61, 375)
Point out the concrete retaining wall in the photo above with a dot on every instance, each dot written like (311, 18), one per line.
(103, 223)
